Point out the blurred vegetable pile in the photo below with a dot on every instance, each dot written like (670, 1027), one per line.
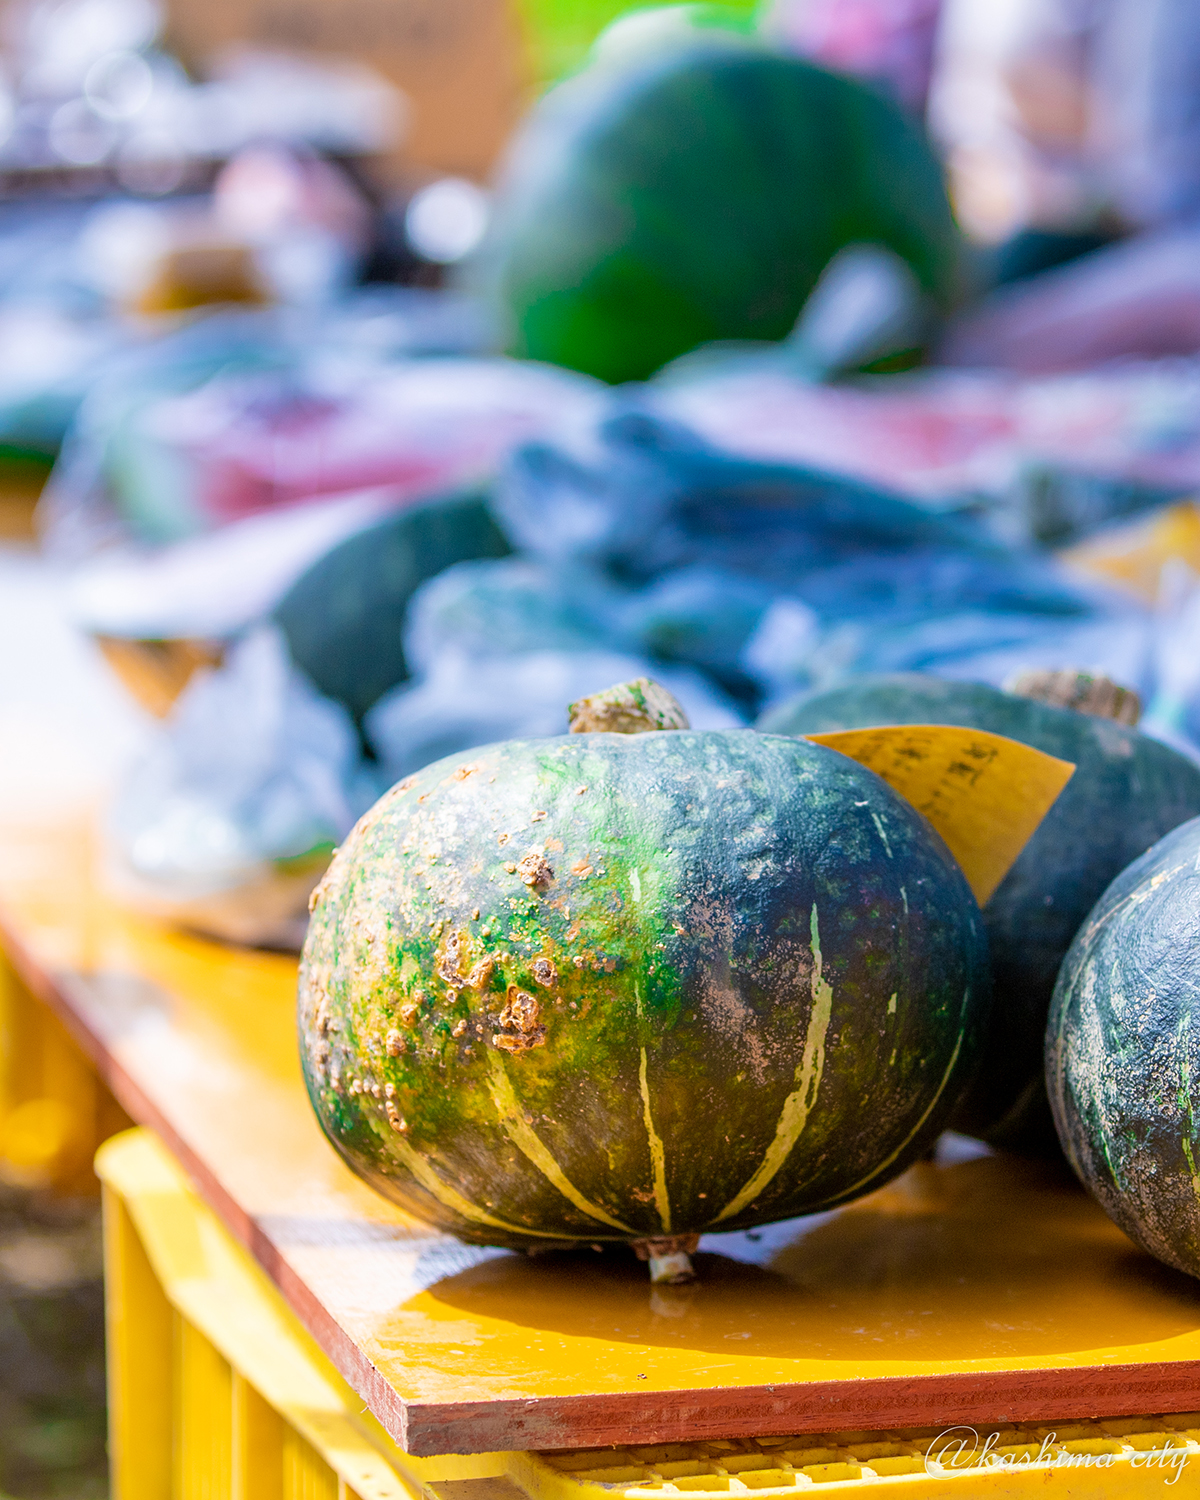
(333, 533)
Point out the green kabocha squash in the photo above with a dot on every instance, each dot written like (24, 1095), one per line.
(635, 986)
(1127, 791)
(344, 618)
(1123, 1050)
(696, 194)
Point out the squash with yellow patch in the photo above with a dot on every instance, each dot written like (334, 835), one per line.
(639, 986)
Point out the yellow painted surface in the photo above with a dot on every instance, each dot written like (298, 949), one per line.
(215, 1380)
(139, 1328)
(984, 793)
(54, 1111)
(208, 1367)
(973, 1267)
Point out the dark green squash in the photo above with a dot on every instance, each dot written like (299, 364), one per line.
(626, 986)
(697, 194)
(344, 617)
(1123, 1050)
(1127, 791)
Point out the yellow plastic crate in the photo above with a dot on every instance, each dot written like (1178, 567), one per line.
(216, 1390)
(54, 1109)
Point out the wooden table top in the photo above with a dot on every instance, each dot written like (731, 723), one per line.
(982, 1289)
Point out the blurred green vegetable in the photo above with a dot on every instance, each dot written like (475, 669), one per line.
(688, 191)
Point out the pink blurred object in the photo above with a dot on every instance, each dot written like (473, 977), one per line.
(252, 443)
(1139, 298)
(267, 190)
(939, 434)
(890, 42)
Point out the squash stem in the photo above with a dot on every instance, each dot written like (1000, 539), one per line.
(1085, 692)
(637, 707)
(669, 1257)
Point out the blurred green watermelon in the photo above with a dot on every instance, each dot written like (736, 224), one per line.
(692, 189)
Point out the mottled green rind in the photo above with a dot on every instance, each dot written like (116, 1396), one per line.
(344, 617)
(1127, 791)
(1123, 1050)
(679, 917)
(697, 195)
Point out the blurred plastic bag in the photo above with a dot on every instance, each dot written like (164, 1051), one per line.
(651, 495)
(690, 617)
(214, 586)
(793, 650)
(508, 607)
(1173, 711)
(245, 444)
(770, 577)
(461, 703)
(653, 498)
(867, 305)
(48, 359)
(780, 654)
(988, 647)
(336, 575)
(92, 500)
(243, 413)
(1053, 457)
(228, 821)
(700, 617)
